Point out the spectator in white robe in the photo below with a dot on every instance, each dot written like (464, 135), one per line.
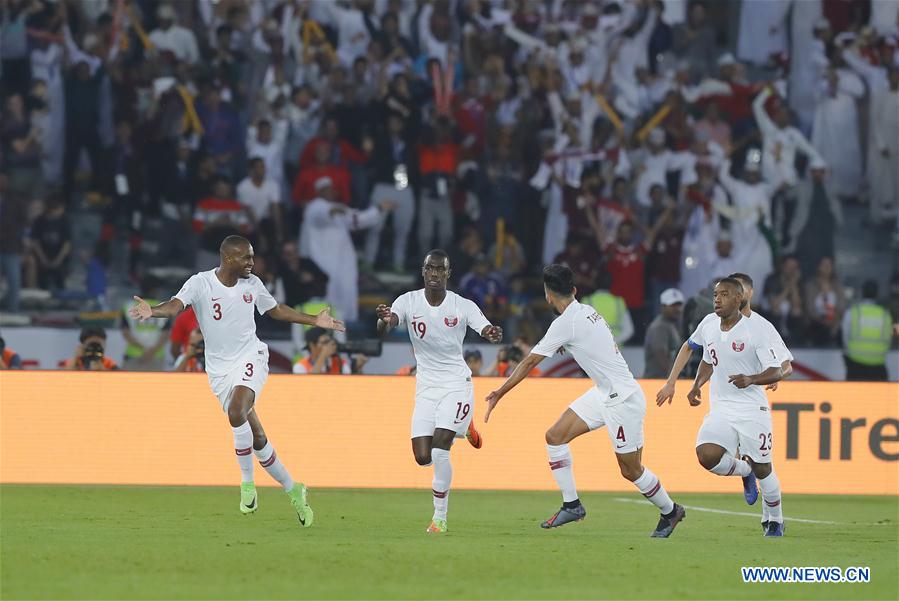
(325, 238)
(835, 131)
(883, 150)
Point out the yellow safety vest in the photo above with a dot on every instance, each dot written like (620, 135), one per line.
(611, 307)
(313, 308)
(870, 332)
(147, 332)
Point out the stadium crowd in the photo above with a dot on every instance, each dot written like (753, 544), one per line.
(630, 139)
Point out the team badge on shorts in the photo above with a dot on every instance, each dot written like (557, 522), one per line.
(451, 321)
(738, 346)
(248, 298)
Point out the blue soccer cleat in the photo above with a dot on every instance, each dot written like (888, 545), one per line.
(750, 489)
(775, 529)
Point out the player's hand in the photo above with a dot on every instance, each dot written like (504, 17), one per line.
(324, 320)
(740, 381)
(665, 393)
(383, 312)
(772, 386)
(141, 310)
(695, 396)
(493, 334)
(492, 400)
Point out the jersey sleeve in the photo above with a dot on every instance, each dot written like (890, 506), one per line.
(558, 334)
(190, 291)
(474, 316)
(765, 349)
(696, 341)
(778, 343)
(265, 302)
(400, 308)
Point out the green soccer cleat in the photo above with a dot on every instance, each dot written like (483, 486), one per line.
(248, 502)
(297, 496)
(437, 527)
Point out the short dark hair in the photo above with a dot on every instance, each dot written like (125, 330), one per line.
(559, 279)
(869, 289)
(313, 334)
(92, 332)
(437, 252)
(233, 242)
(732, 281)
(743, 278)
(514, 354)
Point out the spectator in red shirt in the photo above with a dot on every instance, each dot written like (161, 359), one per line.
(304, 185)
(339, 151)
(438, 159)
(185, 323)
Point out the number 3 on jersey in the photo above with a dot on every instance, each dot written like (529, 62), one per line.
(217, 311)
(419, 328)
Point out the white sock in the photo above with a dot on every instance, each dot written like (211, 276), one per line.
(770, 487)
(269, 460)
(560, 464)
(766, 514)
(243, 448)
(651, 487)
(731, 466)
(443, 477)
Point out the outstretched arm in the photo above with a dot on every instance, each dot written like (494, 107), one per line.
(520, 372)
(491, 333)
(680, 362)
(282, 312)
(142, 311)
(387, 320)
(702, 376)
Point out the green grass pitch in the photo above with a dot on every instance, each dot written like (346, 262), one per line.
(66, 542)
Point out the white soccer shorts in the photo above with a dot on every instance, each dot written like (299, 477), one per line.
(447, 408)
(751, 432)
(623, 422)
(251, 371)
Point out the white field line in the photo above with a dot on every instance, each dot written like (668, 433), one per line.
(746, 513)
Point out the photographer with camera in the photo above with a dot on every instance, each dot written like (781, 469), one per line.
(9, 359)
(324, 355)
(193, 359)
(90, 354)
(507, 359)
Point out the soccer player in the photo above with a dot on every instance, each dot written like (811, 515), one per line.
(750, 488)
(615, 401)
(437, 319)
(236, 360)
(743, 358)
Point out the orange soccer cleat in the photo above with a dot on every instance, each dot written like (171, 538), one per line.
(473, 436)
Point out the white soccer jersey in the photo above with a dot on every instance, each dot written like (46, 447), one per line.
(226, 317)
(745, 349)
(437, 334)
(583, 333)
(777, 342)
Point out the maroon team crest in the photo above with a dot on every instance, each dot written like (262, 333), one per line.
(451, 321)
(248, 297)
(738, 346)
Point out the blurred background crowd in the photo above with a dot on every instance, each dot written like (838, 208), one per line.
(650, 145)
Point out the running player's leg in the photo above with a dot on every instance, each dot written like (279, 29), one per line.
(716, 446)
(266, 454)
(237, 406)
(421, 450)
(443, 476)
(575, 421)
(756, 439)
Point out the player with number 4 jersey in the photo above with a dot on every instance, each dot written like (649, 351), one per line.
(437, 321)
(615, 401)
(225, 300)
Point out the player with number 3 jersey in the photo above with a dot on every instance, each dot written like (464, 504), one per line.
(437, 320)
(225, 300)
(615, 401)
